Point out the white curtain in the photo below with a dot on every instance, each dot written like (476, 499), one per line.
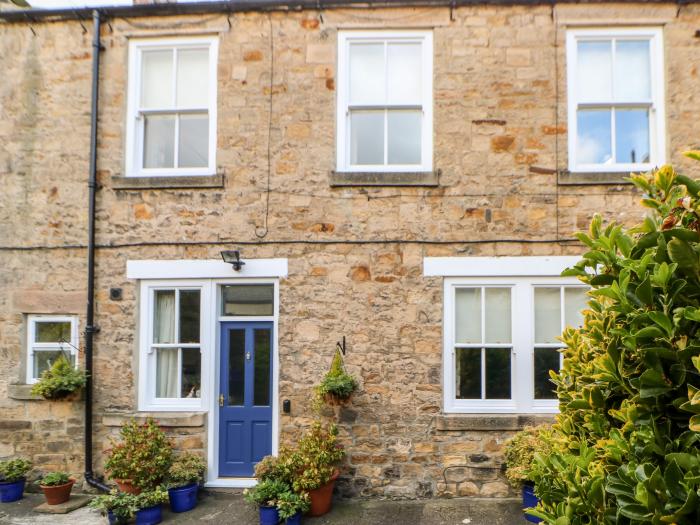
(164, 332)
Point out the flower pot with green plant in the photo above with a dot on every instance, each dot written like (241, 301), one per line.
(60, 381)
(141, 459)
(520, 452)
(13, 474)
(149, 506)
(337, 385)
(319, 455)
(292, 505)
(183, 479)
(56, 487)
(265, 495)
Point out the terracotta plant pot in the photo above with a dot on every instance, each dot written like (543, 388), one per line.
(127, 485)
(322, 497)
(56, 494)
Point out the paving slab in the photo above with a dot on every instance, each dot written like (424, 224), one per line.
(74, 503)
(217, 508)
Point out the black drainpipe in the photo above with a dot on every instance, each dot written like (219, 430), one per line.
(90, 328)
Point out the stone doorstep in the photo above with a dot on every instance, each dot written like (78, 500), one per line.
(74, 503)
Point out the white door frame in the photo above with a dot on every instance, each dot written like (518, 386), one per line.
(213, 479)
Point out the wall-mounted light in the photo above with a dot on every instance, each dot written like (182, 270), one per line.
(233, 257)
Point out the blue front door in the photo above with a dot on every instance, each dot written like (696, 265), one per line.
(245, 397)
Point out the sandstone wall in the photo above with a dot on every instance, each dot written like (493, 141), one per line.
(499, 138)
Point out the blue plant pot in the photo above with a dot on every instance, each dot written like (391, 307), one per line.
(294, 520)
(149, 515)
(530, 500)
(269, 516)
(113, 520)
(11, 491)
(184, 498)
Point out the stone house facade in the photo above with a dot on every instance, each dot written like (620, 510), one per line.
(406, 176)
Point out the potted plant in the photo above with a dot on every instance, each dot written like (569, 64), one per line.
(291, 506)
(183, 479)
(337, 385)
(266, 495)
(520, 453)
(59, 381)
(141, 459)
(319, 454)
(149, 507)
(56, 487)
(13, 474)
(119, 507)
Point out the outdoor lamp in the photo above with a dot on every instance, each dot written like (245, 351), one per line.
(233, 257)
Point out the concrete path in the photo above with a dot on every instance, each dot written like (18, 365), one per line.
(229, 509)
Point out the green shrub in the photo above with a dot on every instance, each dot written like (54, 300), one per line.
(54, 479)
(59, 381)
(520, 452)
(266, 493)
(187, 468)
(289, 503)
(317, 456)
(14, 469)
(627, 440)
(143, 456)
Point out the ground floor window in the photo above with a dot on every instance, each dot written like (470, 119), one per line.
(171, 328)
(49, 336)
(501, 341)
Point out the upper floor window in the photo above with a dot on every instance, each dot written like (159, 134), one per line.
(171, 128)
(616, 104)
(384, 120)
(49, 336)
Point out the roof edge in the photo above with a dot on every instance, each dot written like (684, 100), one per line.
(231, 6)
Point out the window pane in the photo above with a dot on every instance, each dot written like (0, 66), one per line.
(192, 78)
(367, 137)
(632, 70)
(547, 315)
(404, 137)
(631, 135)
(166, 372)
(546, 359)
(498, 317)
(248, 299)
(159, 141)
(236, 368)
(593, 144)
(52, 331)
(594, 63)
(367, 74)
(193, 145)
(157, 79)
(44, 359)
(404, 73)
(191, 372)
(575, 300)
(164, 317)
(189, 316)
(261, 390)
(468, 315)
(498, 373)
(468, 373)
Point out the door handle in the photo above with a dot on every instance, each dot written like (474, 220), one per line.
(247, 356)
(221, 400)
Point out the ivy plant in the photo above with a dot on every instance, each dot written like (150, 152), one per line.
(626, 444)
